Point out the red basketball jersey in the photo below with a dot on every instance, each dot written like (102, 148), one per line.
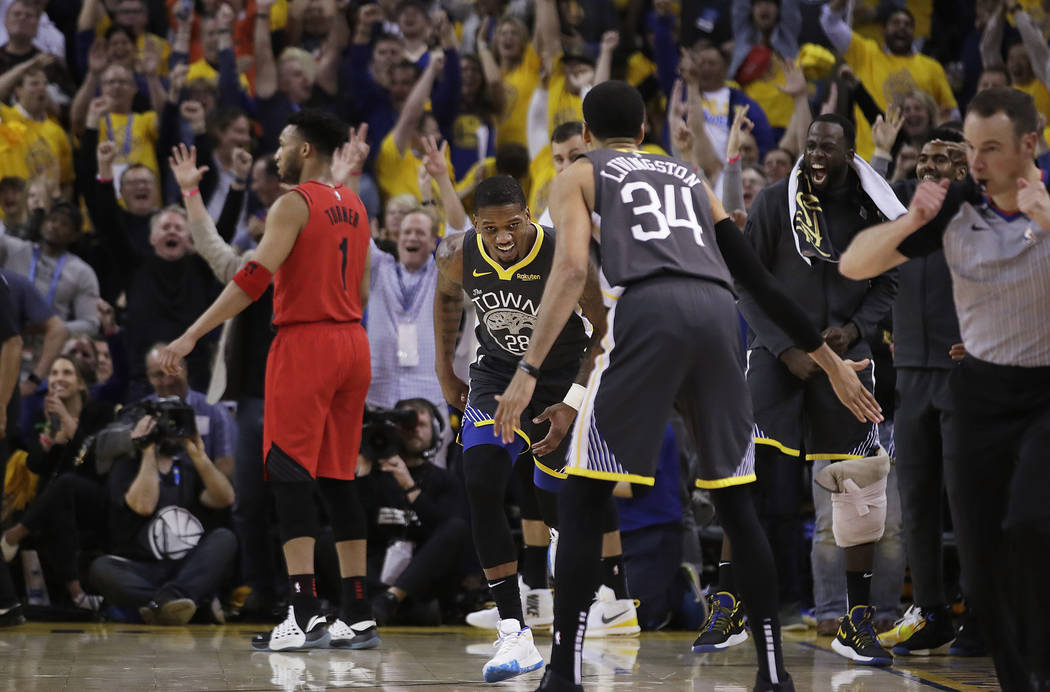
(321, 279)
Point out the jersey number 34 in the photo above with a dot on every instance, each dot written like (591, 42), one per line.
(662, 217)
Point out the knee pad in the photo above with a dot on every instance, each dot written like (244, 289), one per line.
(858, 500)
(296, 510)
(344, 509)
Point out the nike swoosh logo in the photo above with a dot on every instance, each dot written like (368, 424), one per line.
(978, 227)
(606, 621)
(481, 274)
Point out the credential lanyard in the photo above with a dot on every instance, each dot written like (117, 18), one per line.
(53, 287)
(127, 132)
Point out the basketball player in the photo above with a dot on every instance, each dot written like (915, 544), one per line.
(503, 265)
(672, 338)
(315, 248)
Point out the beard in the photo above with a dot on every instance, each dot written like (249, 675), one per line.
(292, 169)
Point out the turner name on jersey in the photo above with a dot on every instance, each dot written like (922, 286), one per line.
(506, 300)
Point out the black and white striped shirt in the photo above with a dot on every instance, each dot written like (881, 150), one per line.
(1000, 266)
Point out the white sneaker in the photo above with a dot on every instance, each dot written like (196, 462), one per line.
(612, 617)
(536, 604)
(516, 653)
(360, 635)
(288, 636)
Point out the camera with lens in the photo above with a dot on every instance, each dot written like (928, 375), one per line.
(383, 430)
(173, 420)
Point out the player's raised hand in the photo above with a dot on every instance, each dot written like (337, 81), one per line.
(512, 402)
(561, 416)
(183, 163)
(929, 197)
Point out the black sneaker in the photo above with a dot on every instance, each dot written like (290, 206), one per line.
(552, 682)
(856, 639)
(385, 607)
(932, 636)
(724, 626)
(13, 616)
(970, 639)
(786, 684)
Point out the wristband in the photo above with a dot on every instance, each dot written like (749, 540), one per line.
(574, 397)
(734, 159)
(191, 193)
(412, 489)
(253, 278)
(530, 370)
(103, 180)
(355, 173)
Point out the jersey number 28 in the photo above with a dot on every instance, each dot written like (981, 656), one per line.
(661, 217)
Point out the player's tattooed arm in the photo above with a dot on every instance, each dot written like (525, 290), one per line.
(448, 314)
(594, 310)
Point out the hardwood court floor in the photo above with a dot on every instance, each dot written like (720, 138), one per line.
(46, 657)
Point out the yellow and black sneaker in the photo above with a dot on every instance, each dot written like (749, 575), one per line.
(856, 639)
(724, 626)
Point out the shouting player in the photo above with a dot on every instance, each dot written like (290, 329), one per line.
(315, 248)
(666, 248)
(503, 266)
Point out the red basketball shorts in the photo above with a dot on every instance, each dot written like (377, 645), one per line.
(317, 377)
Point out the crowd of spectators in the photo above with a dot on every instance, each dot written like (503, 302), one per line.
(104, 263)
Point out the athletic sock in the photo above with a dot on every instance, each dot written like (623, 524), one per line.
(303, 591)
(534, 566)
(858, 588)
(508, 599)
(579, 551)
(356, 606)
(725, 578)
(614, 577)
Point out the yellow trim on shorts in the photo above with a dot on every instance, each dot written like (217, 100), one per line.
(782, 447)
(489, 421)
(610, 476)
(833, 457)
(548, 470)
(726, 482)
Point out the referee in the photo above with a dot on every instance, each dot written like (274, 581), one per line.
(995, 231)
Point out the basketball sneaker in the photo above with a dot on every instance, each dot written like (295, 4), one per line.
(288, 636)
(360, 635)
(764, 685)
(516, 653)
(610, 616)
(536, 604)
(856, 639)
(552, 682)
(970, 639)
(933, 636)
(724, 626)
(903, 628)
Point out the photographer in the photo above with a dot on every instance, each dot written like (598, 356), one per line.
(414, 508)
(70, 505)
(166, 561)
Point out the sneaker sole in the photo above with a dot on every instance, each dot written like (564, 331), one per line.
(370, 643)
(319, 643)
(498, 673)
(846, 652)
(935, 651)
(627, 629)
(732, 640)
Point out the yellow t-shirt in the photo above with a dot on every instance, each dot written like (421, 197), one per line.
(14, 146)
(397, 174)
(141, 148)
(542, 174)
(777, 105)
(885, 76)
(202, 70)
(518, 85)
(562, 105)
(47, 145)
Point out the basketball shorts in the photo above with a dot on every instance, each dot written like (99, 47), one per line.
(489, 377)
(670, 341)
(805, 417)
(317, 377)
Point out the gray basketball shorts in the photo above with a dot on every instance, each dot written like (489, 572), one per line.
(671, 341)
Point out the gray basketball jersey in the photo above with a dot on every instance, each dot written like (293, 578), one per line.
(655, 219)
